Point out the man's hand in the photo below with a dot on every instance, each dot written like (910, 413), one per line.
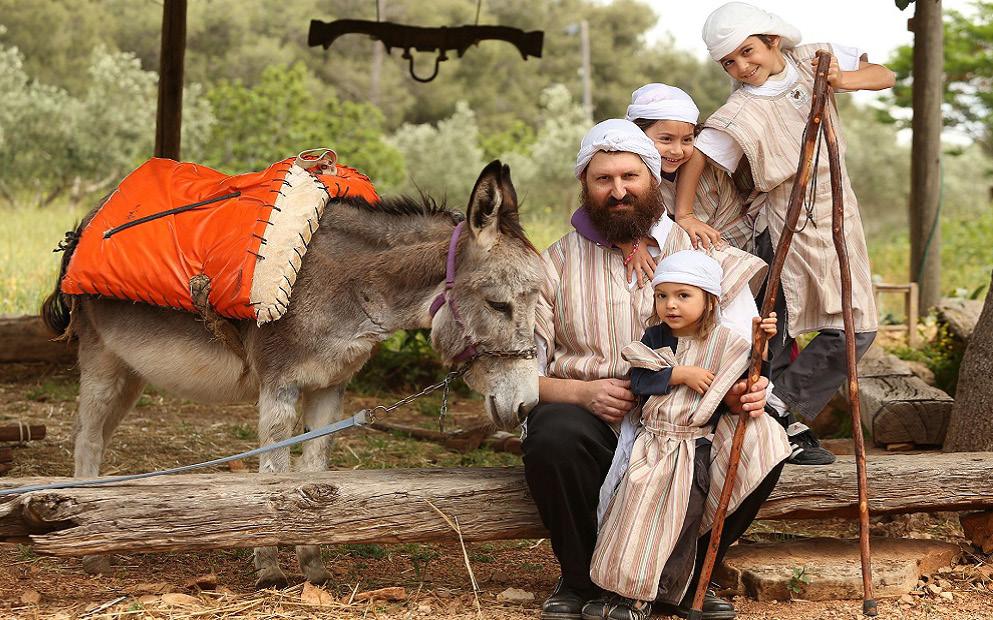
(700, 233)
(753, 402)
(696, 378)
(608, 399)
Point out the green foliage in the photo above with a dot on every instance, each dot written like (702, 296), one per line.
(370, 551)
(942, 354)
(798, 579)
(517, 137)
(53, 142)
(442, 159)
(968, 72)
(284, 113)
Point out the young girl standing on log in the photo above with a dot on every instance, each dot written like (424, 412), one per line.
(757, 135)
(647, 544)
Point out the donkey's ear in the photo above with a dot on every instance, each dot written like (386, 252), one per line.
(488, 201)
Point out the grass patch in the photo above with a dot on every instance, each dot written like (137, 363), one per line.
(54, 391)
(28, 267)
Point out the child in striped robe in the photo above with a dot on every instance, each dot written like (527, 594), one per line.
(646, 548)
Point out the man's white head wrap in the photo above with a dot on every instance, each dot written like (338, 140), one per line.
(690, 267)
(617, 134)
(662, 102)
(729, 25)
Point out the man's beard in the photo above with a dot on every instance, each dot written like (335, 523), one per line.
(623, 226)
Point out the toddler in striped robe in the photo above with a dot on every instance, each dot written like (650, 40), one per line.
(646, 547)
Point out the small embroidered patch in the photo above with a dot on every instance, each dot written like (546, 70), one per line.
(800, 98)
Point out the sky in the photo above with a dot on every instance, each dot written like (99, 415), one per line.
(876, 26)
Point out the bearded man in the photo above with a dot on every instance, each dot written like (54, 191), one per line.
(587, 313)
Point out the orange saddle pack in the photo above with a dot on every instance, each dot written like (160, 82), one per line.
(171, 227)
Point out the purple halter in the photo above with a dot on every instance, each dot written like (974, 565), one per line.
(470, 351)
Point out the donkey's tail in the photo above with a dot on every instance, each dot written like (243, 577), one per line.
(56, 309)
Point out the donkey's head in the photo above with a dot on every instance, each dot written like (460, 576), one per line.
(489, 311)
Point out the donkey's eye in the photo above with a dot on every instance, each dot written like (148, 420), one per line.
(499, 306)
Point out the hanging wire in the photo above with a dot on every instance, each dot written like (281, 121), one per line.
(808, 204)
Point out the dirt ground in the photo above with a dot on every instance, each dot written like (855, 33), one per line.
(163, 432)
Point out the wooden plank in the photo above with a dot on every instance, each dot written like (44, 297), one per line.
(961, 315)
(27, 339)
(184, 513)
(897, 406)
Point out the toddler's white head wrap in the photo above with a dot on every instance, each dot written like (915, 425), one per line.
(691, 267)
(729, 25)
(617, 134)
(663, 103)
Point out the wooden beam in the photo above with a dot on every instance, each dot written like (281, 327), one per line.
(925, 158)
(897, 406)
(169, 118)
(27, 339)
(184, 513)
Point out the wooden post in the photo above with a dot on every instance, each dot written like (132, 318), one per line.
(925, 159)
(169, 118)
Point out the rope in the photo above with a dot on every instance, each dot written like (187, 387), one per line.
(362, 418)
(934, 223)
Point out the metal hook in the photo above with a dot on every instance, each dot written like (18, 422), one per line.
(437, 61)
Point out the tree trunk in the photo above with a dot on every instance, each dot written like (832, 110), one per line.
(189, 512)
(971, 424)
(925, 166)
(27, 339)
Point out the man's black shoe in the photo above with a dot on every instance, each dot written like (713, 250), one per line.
(807, 449)
(564, 603)
(714, 607)
(615, 607)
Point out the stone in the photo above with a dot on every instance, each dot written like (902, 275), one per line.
(148, 599)
(947, 596)
(30, 597)
(514, 596)
(978, 528)
(934, 589)
(771, 571)
(906, 599)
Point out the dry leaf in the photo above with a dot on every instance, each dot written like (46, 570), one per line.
(178, 599)
(237, 466)
(315, 596)
(30, 597)
(397, 593)
(203, 582)
(148, 599)
(159, 587)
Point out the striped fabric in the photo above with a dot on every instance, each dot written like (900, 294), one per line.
(718, 204)
(586, 312)
(770, 129)
(644, 519)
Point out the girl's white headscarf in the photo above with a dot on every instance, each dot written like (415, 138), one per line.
(729, 25)
(662, 102)
(617, 134)
(691, 267)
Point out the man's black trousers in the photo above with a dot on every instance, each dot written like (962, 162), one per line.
(567, 452)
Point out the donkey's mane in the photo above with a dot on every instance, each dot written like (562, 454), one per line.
(407, 206)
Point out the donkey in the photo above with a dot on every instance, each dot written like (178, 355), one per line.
(369, 270)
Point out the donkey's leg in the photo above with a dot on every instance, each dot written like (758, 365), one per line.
(277, 413)
(320, 408)
(108, 389)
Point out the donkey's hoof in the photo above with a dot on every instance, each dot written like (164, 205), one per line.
(97, 565)
(271, 579)
(319, 577)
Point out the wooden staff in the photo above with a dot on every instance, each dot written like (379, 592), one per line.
(841, 248)
(804, 166)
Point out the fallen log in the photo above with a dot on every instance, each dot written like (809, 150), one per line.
(6, 454)
(184, 513)
(897, 406)
(27, 339)
(961, 315)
